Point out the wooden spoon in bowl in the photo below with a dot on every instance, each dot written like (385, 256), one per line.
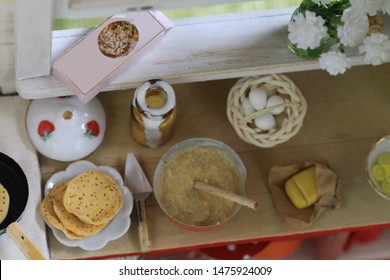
(226, 195)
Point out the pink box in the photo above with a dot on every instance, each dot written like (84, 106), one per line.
(109, 49)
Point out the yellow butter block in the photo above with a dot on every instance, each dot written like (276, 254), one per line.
(302, 188)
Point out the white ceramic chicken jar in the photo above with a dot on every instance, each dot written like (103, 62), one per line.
(64, 128)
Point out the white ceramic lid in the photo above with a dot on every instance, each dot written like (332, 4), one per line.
(64, 128)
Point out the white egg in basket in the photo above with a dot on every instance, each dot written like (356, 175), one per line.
(277, 114)
(115, 229)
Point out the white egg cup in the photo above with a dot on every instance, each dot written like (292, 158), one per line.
(64, 128)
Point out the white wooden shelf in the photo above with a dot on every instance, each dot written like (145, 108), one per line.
(198, 49)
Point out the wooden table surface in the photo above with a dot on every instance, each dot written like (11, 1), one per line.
(346, 114)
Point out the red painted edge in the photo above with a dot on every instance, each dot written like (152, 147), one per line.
(244, 241)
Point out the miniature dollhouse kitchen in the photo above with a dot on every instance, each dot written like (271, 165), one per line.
(231, 82)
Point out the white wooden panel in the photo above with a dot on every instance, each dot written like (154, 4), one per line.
(6, 23)
(200, 49)
(7, 69)
(7, 66)
(32, 29)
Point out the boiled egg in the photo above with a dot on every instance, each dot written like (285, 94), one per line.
(257, 98)
(265, 121)
(247, 108)
(273, 101)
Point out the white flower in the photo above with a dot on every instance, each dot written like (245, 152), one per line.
(386, 7)
(354, 28)
(334, 62)
(366, 6)
(376, 48)
(321, 1)
(307, 31)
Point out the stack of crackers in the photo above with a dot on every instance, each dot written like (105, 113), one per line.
(84, 205)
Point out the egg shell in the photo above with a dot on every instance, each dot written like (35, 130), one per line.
(265, 121)
(273, 101)
(247, 107)
(258, 98)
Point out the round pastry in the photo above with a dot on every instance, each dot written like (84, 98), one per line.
(118, 38)
(47, 209)
(72, 223)
(93, 197)
(4, 203)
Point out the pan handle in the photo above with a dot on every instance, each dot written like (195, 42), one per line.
(25, 244)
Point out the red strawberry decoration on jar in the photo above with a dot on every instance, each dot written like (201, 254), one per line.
(65, 129)
(45, 128)
(92, 129)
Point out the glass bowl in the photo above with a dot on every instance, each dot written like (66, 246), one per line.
(380, 147)
(185, 200)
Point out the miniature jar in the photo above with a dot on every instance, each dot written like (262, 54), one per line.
(153, 113)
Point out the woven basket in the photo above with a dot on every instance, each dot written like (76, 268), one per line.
(288, 123)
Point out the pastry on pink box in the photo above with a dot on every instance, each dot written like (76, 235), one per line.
(109, 49)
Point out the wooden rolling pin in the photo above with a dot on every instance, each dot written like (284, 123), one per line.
(226, 195)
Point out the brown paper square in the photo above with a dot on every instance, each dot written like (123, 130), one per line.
(328, 193)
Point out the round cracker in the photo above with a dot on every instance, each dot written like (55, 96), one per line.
(4, 203)
(72, 223)
(94, 197)
(48, 213)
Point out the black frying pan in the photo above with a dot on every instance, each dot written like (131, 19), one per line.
(15, 182)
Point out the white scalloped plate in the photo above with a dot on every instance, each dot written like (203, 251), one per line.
(115, 229)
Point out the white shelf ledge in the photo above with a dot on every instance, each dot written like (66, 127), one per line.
(198, 49)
